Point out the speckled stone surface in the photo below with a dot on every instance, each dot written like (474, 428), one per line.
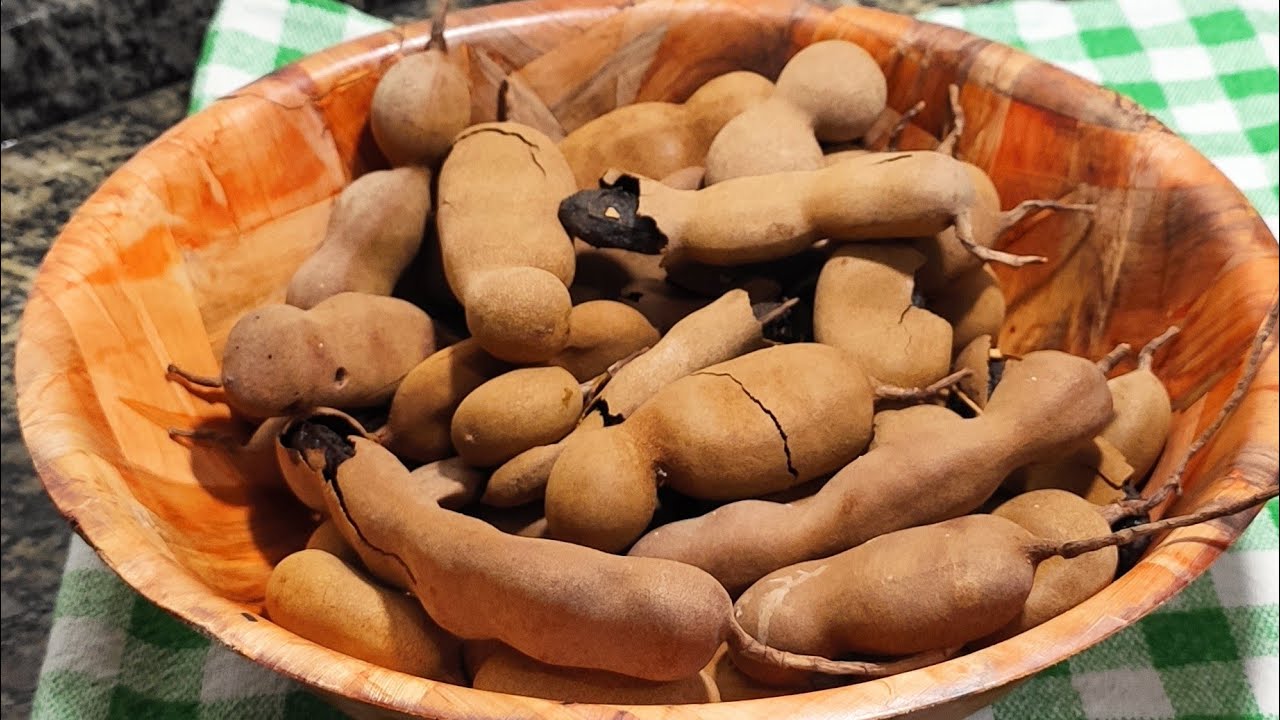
(64, 58)
(46, 175)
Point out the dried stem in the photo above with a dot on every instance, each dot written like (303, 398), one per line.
(894, 392)
(744, 644)
(1076, 548)
(1151, 348)
(895, 134)
(1174, 484)
(204, 436)
(1014, 215)
(592, 388)
(778, 311)
(968, 401)
(1108, 362)
(437, 41)
(207, 381)
(948, 144)
(964, 233)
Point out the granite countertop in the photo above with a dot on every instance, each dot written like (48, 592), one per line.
(46, 174)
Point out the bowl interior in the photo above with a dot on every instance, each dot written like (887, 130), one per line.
(212, 218)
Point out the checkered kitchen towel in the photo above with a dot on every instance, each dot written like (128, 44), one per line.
(1207, 68)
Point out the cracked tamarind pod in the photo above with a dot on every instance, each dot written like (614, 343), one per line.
(940, 587)
(767, 217)
(831, 91)
(421, 103)
(419, 424)
(319, 597)
(722, 330)
(658, 139)
(973, 303)
(863, 305)
(508, 671)
(650, 619)
(1100, 468)
(375, 229)
(510, 270)
(946, 467)
(349, 351)
(753, 425)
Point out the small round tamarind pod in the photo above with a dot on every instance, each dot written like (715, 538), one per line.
(419, 424)
(299, 451)
(374, 231)
(1059, 584)
(421, 103)
(767, 217)
(1143, 410)
(863, 306)
(657, 139)
(651, 619)
(913, 594)
(689, 178)
(945, 467)
(350, 350)
(973, 303)
(660, 302)
(527, 520)
(896, 425)
(523, 478)
(418, 427)
(601, 332)
(513, 412)
(451, 482)
(746, 427)
(508, 671)
(327, 538)
(831, 91)
(319, 597)
(510, 270)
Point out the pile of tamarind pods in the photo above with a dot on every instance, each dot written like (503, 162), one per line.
(703, 402)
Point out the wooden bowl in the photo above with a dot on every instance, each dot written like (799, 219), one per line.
(211, 219)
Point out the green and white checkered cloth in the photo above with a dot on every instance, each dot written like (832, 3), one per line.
(1207, 68)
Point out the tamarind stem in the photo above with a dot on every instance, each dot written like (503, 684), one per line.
(895, 133)
(592, 388)
(204, 435)
(1150, 349)
(948, 144)
(1108, 362)
(437, 41)
(777, 312)
(964, 233)
(894, 392)
(1014, 215)
(968, 401)
(1251, 367)
(192, 378)
(744, 644)
(1076, 548)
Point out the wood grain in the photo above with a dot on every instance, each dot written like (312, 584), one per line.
(212, 218)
